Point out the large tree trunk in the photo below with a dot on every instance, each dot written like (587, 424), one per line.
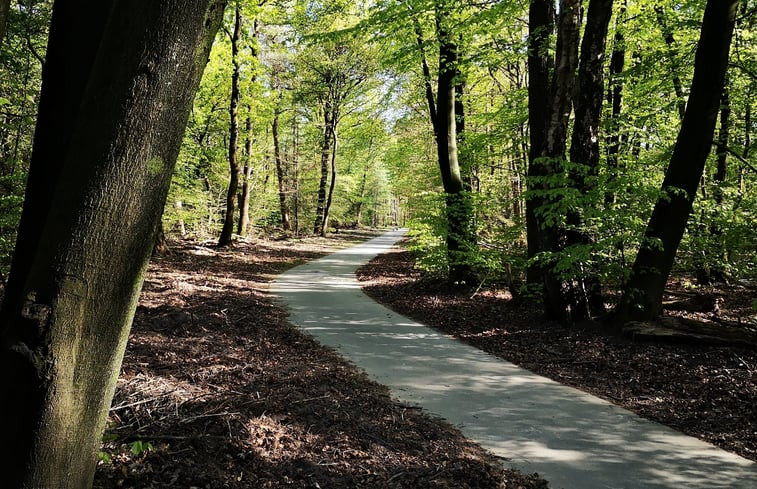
(583, 291)
(234, 170)
(548, 168)
(642, 298)
(458, 208)
(280, 173)
(541, 16)
(118, 85)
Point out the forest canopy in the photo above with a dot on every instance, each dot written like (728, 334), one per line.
(314, 116)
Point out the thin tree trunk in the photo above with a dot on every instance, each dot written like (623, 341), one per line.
(670, 41)
(325, 156)
(296, 166)
(427, 81)
(234, 170)
(280, 173)
(327, 210)
(244, 196)
(180, 223)
(363, 181)
(710, 262)
(97, 185)
(747, 147)
(642, 298)
(615, 96)
(161, 243)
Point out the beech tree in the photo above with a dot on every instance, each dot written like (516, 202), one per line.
(234, 166)
(642, 297)
(118, 84)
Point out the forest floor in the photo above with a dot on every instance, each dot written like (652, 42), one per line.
(218, 390)
(709, 392)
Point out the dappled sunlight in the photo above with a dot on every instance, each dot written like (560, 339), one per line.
(537, 424)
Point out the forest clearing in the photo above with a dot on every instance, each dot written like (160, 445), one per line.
(577, 177)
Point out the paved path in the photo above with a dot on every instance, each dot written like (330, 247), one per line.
(574, 440)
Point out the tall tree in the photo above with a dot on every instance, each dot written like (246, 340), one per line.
(281, 172)
(584, 295)
(541, 25)
(458, 205)
(547, 172)
(615, 99)
(117, 89)
(234, 167)
(244, 194)
(642, 298)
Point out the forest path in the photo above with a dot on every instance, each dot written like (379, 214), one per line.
(571, 438)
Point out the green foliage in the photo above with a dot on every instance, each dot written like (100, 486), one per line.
(139, 447)
(387, 170)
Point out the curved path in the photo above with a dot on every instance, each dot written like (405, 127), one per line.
(573, 439)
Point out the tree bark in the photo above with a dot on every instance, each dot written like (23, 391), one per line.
(583, 291)
(670, 41)
(711, 258)
(642, 298)
(458, 209)
(280, 173)
(234, 170)
(547, 172)
(118, 74)
(427, 81)
(330, 197)
(244, 196)
(296, 167)
(326, 145)
(615, 98)
(541, 16)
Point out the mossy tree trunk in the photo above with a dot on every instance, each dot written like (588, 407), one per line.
(117, 88)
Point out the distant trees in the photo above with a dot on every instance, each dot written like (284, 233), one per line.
(526, 144)
(118, 85)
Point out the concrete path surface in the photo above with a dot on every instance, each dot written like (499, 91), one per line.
(573, 439)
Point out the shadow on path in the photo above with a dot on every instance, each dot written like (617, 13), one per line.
(571, 438)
